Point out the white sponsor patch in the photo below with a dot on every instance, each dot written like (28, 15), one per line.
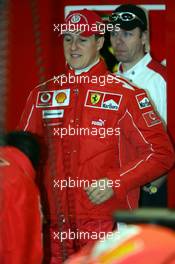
(57, 113)
(61, 97)
(143, 101)
(99, 122)
(53, 98)
(110, 104)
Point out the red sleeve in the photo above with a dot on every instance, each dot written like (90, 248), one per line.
(20, 217)
(151, 153)
(31, 117)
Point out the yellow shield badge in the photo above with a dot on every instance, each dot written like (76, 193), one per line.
(95, 97)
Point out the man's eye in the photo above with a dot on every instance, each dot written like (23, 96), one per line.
(114, 33)
(83, 40)
(127, 34)
(67, 39)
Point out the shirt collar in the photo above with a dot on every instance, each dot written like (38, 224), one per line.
(138, 67)
(95, 69)
(78, 72)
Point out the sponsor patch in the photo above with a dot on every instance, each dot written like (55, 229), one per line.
(143, 101)
(56, 113)
(151, 118)
(111, 101)
(44, 99)
(53, 98)
(103, 100)
(61, 97)
(95, 98)
(75, 18)
(98, 122)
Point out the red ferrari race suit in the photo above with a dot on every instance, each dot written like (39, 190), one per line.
(109, 131)
(20, 214)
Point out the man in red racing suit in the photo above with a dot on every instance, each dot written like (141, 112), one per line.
(105, 135)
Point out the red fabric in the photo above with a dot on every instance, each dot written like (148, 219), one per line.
(91, 157)
(84, 18)
(152, 244)
(71, 239)
(157, 67)
(20, 217)
(170, 37)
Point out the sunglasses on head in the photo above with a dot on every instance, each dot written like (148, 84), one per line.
(124, 16)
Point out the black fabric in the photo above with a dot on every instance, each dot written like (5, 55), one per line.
(158, 199)
(27, 143)
(129, 25)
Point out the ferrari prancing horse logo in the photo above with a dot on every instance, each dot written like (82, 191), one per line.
(95, 97)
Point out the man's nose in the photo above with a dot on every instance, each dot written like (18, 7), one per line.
(119, 39)
(74, 44)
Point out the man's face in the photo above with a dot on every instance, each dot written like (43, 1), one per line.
(128, 46)
(80, 51)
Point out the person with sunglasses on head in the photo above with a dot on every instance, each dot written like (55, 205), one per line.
(93, 154)
(129, 44)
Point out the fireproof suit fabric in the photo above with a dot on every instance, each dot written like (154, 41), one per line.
(20, 215)
(151, 76)
(54, 108)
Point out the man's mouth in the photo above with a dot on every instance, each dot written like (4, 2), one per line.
(75, 56)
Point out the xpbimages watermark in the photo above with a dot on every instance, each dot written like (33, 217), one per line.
(76, 27)
(71, 235)
(85, 183)
(101, 132)
(102, 80)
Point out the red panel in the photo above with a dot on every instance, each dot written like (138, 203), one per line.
(24, 71)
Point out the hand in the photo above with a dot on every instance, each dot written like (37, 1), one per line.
(100, 191)
(153, 187)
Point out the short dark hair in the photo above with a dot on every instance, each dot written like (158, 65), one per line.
(26, 142)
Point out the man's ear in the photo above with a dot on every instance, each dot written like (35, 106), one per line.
(144, 37)
(145, 41)
(100, 42)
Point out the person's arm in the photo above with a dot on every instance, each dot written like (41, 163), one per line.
(31, 117)
(154, 186)
(162, 105)
(155, 154)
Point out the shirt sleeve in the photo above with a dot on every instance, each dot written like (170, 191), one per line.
(162, 107)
